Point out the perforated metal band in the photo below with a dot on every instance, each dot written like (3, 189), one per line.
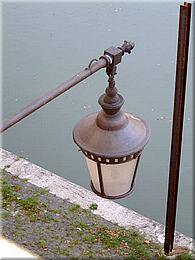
(105, 160)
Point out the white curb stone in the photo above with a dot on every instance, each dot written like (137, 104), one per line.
(74, 193)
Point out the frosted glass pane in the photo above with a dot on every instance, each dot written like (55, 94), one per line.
(117, 178)
(93, 171)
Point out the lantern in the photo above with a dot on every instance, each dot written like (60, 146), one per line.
(112, 142)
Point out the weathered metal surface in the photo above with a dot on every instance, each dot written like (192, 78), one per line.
(106, 160)
(114, 143)
(102, 195)
(43, 100)
(177, 128)
(100, 178)
(39, 102)
(133, 181)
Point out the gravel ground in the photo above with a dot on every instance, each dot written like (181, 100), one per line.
(52, 227)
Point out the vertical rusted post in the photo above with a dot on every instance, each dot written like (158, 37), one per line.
(178, 114)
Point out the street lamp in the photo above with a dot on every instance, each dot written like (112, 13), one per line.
(112, 140)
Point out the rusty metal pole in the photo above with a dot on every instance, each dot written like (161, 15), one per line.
(177, 128)
(43, 100)
(104, 61)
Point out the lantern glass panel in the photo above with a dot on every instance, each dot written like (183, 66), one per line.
(117, 178)
(93, 171)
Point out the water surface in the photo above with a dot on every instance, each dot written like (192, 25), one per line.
(46, 43)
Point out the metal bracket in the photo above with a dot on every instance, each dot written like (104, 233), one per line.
(116, 53)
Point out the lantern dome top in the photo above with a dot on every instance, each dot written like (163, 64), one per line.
(125, 134)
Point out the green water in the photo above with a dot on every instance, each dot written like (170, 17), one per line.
(46, 43)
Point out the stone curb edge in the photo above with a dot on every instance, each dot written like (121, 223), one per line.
(74, 193)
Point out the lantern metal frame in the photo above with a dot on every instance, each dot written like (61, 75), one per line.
(103, 160)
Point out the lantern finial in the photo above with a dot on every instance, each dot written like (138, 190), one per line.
(111, 101)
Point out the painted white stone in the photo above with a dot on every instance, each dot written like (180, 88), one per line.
(35, 174)
(6, 158)
(74, 193)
